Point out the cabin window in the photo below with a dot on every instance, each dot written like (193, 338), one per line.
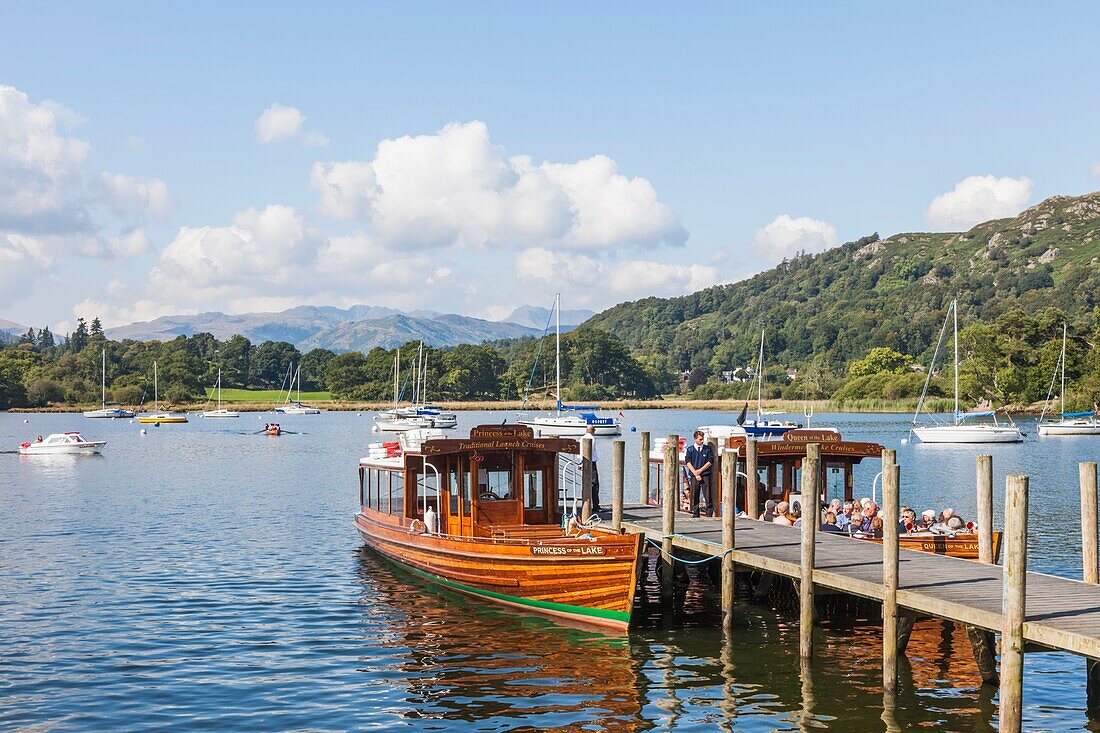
(533, 489)
(372, 483)
(656, 483)
(453, 489)
(494, 476)
(426, 488)
(362, 477)
(397, 493)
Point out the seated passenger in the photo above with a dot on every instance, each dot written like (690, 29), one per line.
(876, 527)
(844, 518)
(830, 523)
(781, 510)
(955, 524)
(769, 510)
(908, 522)
(927, 519)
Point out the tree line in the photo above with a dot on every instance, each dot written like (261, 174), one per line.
(39, 370)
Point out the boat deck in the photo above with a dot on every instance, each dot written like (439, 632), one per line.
(1061, 614)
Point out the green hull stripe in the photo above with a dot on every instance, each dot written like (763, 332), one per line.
(548, 605)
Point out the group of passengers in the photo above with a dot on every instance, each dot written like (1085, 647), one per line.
(865, 517)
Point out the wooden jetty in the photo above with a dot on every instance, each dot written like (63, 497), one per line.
(1031, 611)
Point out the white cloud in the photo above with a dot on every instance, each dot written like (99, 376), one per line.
(456, 188)
(129, 196)
(22, 259)
(591, 282)
(1096, 170)
(134, 243)
(279, 122)
(977, 199)
(784, 235)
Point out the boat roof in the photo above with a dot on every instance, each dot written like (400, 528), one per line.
(794, 442)
(499, 437)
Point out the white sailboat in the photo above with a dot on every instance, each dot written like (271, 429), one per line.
(156, 417)
(419, 414)
(220, 412)
(104, 411)
(568, 420)
(297, 407)
(961, 431)
(1071, 423)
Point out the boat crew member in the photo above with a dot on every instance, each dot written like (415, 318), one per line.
(700, 459)
(590, 434)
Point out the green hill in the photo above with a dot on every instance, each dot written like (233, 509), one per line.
(822, 311)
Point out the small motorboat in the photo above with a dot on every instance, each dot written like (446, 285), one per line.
(62, 443)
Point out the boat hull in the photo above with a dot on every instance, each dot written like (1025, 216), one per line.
(963, 545)
(220, 413)
(563, 429)
(969, 434)
(159, 419)
(297, 411)
(109, 413)
(87, 448)
(1070, 427)
(589, 581)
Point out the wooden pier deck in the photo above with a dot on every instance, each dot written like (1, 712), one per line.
(1062, 614)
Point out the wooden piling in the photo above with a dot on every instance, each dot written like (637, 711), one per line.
(586, 478)
(670, 495)
(644, 475)
(752, 501)
(811, 474)
(618, 465)
(729, 513)
(890, 480)
(1013, 607)
(985, 509)
(1090, 571)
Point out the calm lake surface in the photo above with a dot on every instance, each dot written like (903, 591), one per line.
(201, 577)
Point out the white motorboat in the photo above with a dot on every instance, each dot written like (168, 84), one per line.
(104, 411)
(296, 407)
(960, 431)
(567, 420)
(1071, 423)
(220, 412)
(72, 443)
(156, 417)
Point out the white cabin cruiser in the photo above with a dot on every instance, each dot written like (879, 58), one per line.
(72, 443)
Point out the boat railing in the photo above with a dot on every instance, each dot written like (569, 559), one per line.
(569, 478)
(438, 484)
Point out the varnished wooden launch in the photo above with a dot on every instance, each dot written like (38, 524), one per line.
(482, 516)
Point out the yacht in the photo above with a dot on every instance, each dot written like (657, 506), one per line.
(156, 417)
(104, 411)
(1071, 423)
(62, 443)
(296, 407)
(220, 412)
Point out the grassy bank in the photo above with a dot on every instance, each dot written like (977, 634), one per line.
(249, 396)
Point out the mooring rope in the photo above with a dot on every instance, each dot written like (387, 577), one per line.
(670, 556)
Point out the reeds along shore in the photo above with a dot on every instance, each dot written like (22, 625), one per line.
(792, 408)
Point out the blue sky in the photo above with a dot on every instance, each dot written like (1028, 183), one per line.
(720, 137)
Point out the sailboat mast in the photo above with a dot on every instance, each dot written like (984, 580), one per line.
(156, 394)
(219, 388)
(396, 374)
(955, 311)
(1062, 394)
(557, 349)
(103, 379)
(760, 377)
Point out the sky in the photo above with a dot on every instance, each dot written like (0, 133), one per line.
(470, 157)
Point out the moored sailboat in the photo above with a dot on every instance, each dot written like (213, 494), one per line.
(220, 412)
(156, 417)
(1071, 423)
(484, 516)
(104, 411)
(296, 407)
(961, 431)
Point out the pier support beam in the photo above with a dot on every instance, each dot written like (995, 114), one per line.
(985, 509)
(1013, 606)
(670, 495)
(890, 479)
(618, 465)
(1090, 573)
(644, 475)
(752, 500)
(729, 515)
(586, 478)
(811, 477)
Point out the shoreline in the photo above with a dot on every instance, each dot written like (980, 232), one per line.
(793, 409)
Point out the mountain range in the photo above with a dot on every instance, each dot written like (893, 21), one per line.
(358, 328)
(831, 307)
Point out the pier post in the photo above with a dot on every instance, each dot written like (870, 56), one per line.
(618, 464)
(1013, 608)
(729, 514)
(890, 480)
(752, 501)
(670, 495)
(985, 509)
(644, 475)
(586, 478)
(811, 474)
(1087, 473)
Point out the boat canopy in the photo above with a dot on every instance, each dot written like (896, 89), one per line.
(1086, 413)
(576, 408)
(968, 415)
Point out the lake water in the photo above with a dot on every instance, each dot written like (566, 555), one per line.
(201, 577)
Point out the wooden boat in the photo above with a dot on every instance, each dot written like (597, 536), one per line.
(273, 430)
(779, 465)
(483, 516)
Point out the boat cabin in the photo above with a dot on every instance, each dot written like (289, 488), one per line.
(501, 481)
(779, 466)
